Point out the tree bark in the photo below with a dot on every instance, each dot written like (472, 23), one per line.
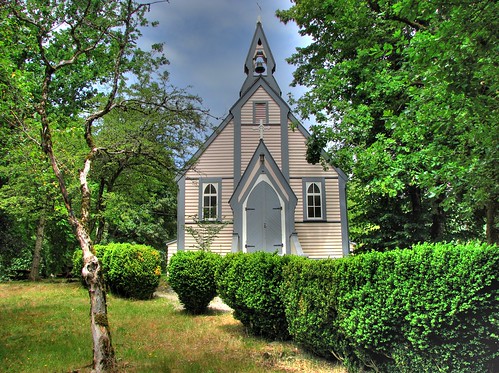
(437, 219)
(34, 274)
(103, 352)
(492, 232)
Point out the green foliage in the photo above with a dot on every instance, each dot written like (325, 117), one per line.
(405, 94)
(430, 308)
(191, 274)
(100, 99)
(131, 271)
(250, 284)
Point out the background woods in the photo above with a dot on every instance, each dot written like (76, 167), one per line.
(405, 96)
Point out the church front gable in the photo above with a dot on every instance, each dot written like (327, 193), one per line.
(263, 204)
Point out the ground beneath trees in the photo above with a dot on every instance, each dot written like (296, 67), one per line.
(165, 291)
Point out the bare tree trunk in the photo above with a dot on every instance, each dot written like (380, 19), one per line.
(491, 230)
(34, 274)
(104, 357)
(103, 351)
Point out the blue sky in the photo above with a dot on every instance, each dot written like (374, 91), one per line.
(207, 43)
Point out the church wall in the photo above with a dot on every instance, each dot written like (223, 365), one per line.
(320, 240)
(221, 245)
(251, 138)
(298, 165)
(217, 160)
(250, 133)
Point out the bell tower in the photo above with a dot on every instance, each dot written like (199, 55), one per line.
(260, 63)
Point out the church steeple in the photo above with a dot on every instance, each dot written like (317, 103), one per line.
(260, 63)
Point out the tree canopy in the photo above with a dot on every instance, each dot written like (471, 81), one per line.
(405, 97)
(65, 67)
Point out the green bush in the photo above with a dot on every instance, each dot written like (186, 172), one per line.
(430, 308)
(191, 274)
(310, 293)
(250, 284)
(131, 271)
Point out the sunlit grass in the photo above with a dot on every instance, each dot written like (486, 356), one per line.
(44, 327)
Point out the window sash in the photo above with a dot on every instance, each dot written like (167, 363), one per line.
(314, 201)
(210, 201)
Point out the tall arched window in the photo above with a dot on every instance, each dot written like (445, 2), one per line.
(210, 202)
(314, 208)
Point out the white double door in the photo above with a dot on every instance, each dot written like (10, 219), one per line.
(264, 219)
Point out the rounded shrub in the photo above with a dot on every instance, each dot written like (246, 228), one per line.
(250, 284)
(191, 274)
(131, 271)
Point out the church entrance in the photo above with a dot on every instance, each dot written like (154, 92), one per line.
(263, 220)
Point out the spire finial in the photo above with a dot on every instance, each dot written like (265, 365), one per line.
(259, 19)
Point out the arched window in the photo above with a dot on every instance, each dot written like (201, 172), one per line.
(314, 209)
(210, 202)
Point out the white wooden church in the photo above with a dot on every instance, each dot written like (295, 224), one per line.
(253, 173)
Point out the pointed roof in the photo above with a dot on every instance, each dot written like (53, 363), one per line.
(260, 63)
(262, 162)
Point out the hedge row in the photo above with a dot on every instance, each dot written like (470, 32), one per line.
(251, 285)
(130, 271)
(431, 308)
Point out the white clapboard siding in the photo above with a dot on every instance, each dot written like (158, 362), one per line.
(298, 165)
(251, 138)
(320, 240)
(217, 160)
(221, 245)
(227, 190)
(260, 96)
(332, 200)
(192, 199)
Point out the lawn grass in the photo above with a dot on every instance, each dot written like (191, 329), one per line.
(44, 327)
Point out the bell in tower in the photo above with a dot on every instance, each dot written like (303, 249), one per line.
(260, 63)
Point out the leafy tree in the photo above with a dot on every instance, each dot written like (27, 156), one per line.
(405, 96)
(142, 155)
(65, 66)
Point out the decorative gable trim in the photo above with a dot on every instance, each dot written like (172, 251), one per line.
(262, 164)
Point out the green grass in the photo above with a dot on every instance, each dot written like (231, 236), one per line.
(44, 327)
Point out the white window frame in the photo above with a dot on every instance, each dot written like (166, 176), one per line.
(203, 184)
(307, 183)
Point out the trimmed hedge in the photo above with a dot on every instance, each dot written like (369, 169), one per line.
(191, 274)
(250, 284)
(131, 271)
(432, 308)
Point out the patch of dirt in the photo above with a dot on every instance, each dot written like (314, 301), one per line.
(164, 291)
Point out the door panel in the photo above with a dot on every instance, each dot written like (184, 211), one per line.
(263, 219)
